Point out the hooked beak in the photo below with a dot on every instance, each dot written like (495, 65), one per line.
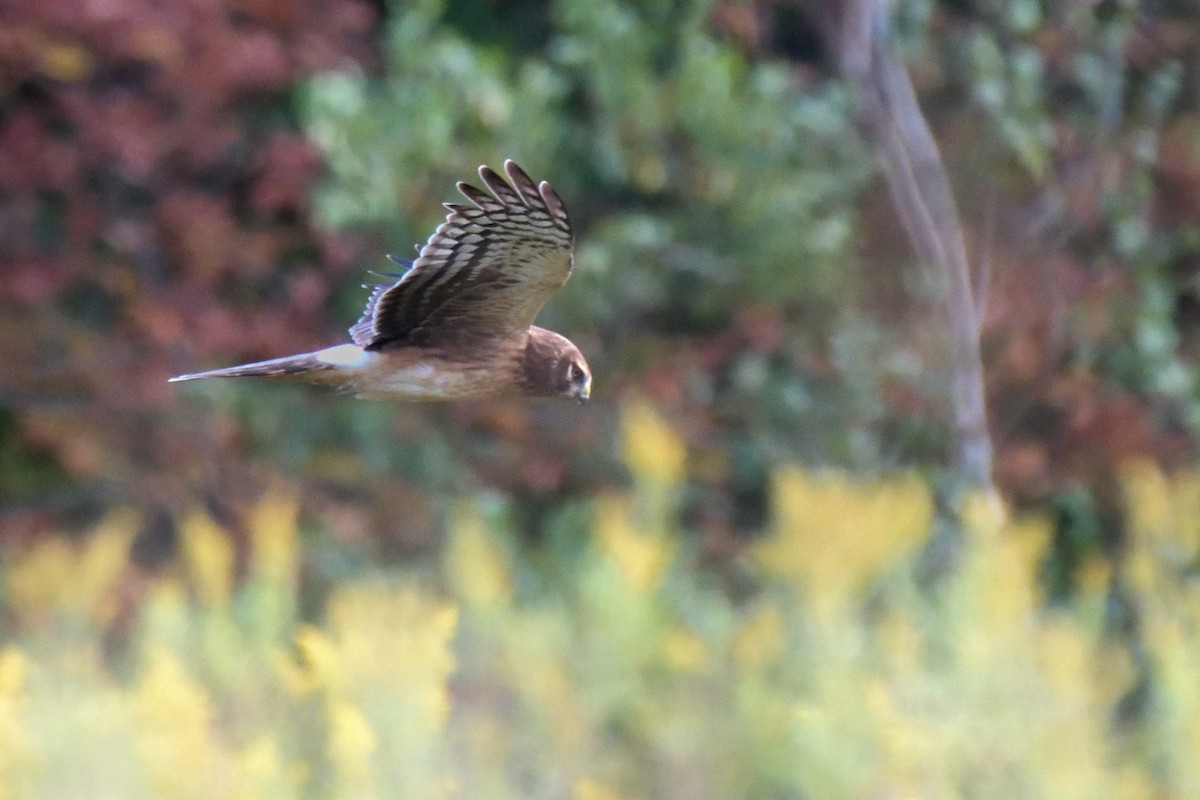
(585, 391)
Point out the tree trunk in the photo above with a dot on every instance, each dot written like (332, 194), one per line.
(858, 31)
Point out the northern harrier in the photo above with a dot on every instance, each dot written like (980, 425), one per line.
(459, 323)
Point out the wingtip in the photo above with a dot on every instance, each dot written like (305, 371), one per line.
(487, 175)
(514, 171)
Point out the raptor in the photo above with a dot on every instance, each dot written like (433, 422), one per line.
(459, 322)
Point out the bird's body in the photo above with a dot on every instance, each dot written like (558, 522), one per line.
(459, 323)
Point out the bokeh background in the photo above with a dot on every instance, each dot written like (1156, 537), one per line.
(728, 575)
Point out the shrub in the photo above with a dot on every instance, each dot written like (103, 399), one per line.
(607, 665)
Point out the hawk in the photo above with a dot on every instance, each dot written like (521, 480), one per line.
(459, 323)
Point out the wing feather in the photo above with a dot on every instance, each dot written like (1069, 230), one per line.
(501, 188)
(487, 269)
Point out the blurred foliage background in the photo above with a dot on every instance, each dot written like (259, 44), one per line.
(327, 597)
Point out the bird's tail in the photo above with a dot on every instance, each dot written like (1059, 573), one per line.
(305, 365)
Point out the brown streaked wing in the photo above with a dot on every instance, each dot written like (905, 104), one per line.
(488, 269)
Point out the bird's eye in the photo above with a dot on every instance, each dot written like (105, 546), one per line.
(572, 372)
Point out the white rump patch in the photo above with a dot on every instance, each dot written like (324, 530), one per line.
(344, 355)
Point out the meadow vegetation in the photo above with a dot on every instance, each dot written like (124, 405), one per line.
(826, 662)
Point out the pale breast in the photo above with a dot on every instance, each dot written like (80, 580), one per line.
(433, 378)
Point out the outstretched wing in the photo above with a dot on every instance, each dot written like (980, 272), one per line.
(488, 269)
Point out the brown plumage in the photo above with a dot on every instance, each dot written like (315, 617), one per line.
(459, 323)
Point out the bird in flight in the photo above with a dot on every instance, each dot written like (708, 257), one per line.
(459, 323)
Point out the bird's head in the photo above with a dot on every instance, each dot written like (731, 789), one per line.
(554, 367)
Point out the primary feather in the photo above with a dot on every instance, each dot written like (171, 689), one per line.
(488, 268)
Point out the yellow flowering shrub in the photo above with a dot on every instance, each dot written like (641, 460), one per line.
(832, 536)
(615, 667)
(652, 450)
(173, 720)
(639, 556)
(15, 753)
(68, 583)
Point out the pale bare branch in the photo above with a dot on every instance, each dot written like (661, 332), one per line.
(925, 204)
